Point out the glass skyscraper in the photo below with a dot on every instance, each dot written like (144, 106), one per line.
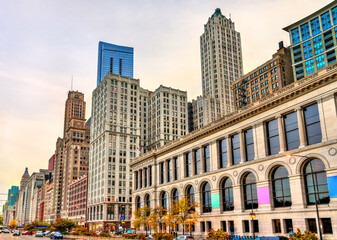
(115, 59)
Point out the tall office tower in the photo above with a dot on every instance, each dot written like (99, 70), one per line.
(74, 108)
(167, 117)
(144, 95)
(204, 111)
(21, 198)
(113, 145)
(221, 59)
(114, 59)
(313, 41)
(58, 179)
(76, 143)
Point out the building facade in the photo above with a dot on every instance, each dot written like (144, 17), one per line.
(267, 78)
(313, 41)
(238, 165)
(221, 59)
(77, 206)
(113, 145)
(114, 59)
(20, 205)
(204, 110)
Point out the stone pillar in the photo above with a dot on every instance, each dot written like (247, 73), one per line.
(281, 133)
(322, 120)
(166, 172)
(237, 197)
(301, 127)
(202, 159)
(214, 155)
(193, 162)
(229, 151)
(182, 163)
(242, 146)
(139, 174)
(296, 187)
(263, 195)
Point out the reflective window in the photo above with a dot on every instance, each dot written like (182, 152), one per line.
(249, 144)
(281, 187)
(326, 21)
(315, 26)
(291, 131)
(188, 165)
(312, 124)
(250, 191)
(206, 198)
(190, 194)
(163, 199)
(305, 31)
(169, 170)
(137, 202)
(273, 137)
(295, 36)
(334, 15)
(162, 174)
(207, 159)
(175, 195)
(316, 182)
(197, 161)
(176, 167)
(223, 153)
(147, 200)
(145, 177)
(227, 195)
(236, 155)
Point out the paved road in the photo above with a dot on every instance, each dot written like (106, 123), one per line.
(9, 236)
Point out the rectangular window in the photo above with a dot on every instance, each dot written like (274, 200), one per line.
(326, 21)
(150, 175)
(176, 167)
(145, 177)
(273, 137)
(188, 165)
(169, 170)
(202, 227)
(312, 124)
(111, 65)
(326, 223)
(223, 153)
(291, 131)
(207, 159)
(236, 154)
(246, 226)
(162, 172)
(249, 144)
(209, 225)
(311, 223)
(120, 66)
(197, 161)
(288, 224)
(140, 178)
(277, 225)
(231, 226)
(224, 226)
(136, 179)
(256, 225)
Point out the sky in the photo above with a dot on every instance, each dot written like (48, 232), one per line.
(44, 43)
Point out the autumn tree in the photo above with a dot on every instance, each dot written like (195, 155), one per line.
(156, 217)
(186, 213)
(13, 224)
(1, 221)
(63, 225)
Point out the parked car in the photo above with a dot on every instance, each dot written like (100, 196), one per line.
(55, 235)
(46, 233)
(39, 234)
(5, 231)
(16, 233)
(149, 236)
(28, 233)
(184, 237)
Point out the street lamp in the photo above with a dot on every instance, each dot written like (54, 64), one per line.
(252, 215)
(313, 183)
(190, 220)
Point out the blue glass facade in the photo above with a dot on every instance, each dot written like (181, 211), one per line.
(115, 59)
(314, 41)
(12, 194)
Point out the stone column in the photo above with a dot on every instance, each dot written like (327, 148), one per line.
(193, 162)
(202, 160)
(166, 172)
(237, 198)
(242, 146)
(322, 120)
(214, 155)
(281, 133)
(139, 174)
(301, 127)
(229, 151)
(296, 191)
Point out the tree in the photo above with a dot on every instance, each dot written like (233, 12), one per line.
(157, 217)
(1, 221)
(307, 235)
(63, 225)
(142, 217)
(13, 224)
(186, 213)
(171, 218)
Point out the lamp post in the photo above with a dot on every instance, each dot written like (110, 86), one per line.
(252, 215)
(190, 220)
(313, 183)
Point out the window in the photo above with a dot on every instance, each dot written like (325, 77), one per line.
(223, 153)
(249, 144)
(288, 224)
(281, 187)
(277, 225)
(273, 137)
(163, 199)
(140, 178)
(206, 198)
(316, 185)
(176, 167)
(147, 200)
(312, 124)
(246, 226)
(291, 131)
(223, 226)
(162, 172)
(326, 223)
(256, 225)
(145, 177)
(227, 195)
(150, 175)
(311, 222)
(249, 191)
(326, 21)
(188, 167)
(236, 154)
(175, 195)
(202, 227)
(190, 194)
(136, 179)
(197, 161)
(207, 160)
(169, 171)
(137, 202)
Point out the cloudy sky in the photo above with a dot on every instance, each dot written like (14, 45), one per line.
(43, 43)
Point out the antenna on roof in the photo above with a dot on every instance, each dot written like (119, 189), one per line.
(72, 79)
(230, 16)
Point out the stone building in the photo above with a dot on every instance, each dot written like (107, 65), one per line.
(238, 165)
(77, 200)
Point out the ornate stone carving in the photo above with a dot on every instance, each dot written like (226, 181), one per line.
(235, 173)
(261, 167)
(181, 185)
(196, 182)
(214, 178)
(292, 160)
(332, 151)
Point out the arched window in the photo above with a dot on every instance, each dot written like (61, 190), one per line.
(163, 199)
(249, 191)
(190, 194)
(227, 195)
(316, 182)
(206, 198)
(281, 187)
(147, 200)
(175, 195)
(137, 203)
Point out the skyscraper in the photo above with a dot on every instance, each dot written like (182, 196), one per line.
(115, 59)
(221, 59)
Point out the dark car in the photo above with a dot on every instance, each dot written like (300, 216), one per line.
(55, 235)
(16, 233)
